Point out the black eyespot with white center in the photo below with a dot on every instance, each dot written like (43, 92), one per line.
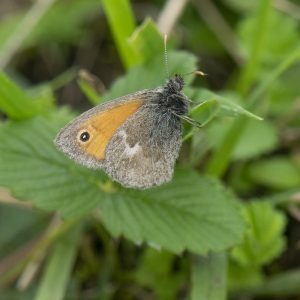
(84, 136)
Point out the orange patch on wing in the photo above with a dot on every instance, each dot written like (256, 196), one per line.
(104, 125)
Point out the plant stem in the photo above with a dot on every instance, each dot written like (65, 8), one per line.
(170, 14)
(209, 277)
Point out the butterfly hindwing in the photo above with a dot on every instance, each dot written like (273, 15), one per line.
(139, 154)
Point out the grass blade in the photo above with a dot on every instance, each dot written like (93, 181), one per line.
(122, 24)
(55, 279)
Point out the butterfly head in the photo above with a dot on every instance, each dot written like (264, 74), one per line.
(173, 99)
(175, 84)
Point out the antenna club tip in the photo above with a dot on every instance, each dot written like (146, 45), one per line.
(200, 73)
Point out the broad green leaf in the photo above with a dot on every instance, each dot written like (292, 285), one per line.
(152, 74)
(192, 212)
(55, 279)
(184, 212)
(264, 239)
(147, 41)
(18, 104)
(258, 138)
(209, 277)
(277, 172)
(122, 24)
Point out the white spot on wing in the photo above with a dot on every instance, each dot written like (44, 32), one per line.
(129, 151)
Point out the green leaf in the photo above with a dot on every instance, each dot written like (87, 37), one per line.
(232, 108)
(183, 214)
(17, 104)
(258, 138)
(54, 282)
(219, 105)
(209, 277)
(192, 212)
(277, 172)
(205, 111)
(147, 41)
(122, 24)
(264, 239)
(152, 74)
(219, 161)
(283, 94)
(280, 39)
(240, 277)
(155, 271)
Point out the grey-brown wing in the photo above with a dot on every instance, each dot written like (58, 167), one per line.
(100, 122)
(139, 154)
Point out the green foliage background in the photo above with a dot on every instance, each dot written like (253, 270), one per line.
(225, 227)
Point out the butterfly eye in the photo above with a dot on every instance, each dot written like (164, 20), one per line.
(84, 136)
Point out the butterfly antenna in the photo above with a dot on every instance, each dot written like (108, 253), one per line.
(166, 55)
(197, 72)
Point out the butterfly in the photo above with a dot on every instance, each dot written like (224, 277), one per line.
(135, 139)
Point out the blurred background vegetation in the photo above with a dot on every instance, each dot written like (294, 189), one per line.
(227, 226)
